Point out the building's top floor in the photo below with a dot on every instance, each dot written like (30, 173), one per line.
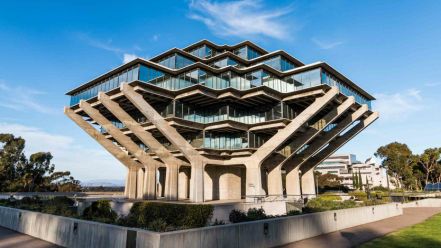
(241, 66)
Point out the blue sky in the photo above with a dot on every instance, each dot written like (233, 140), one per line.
(390, 48)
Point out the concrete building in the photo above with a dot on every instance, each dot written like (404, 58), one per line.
(211, 122)
(347, 165)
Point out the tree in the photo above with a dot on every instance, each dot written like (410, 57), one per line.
(429, 161)
(397, 158)
(360, 181)
(354, 184)
(17, 173)
(329, 182)
(11, 157)
(356, 181)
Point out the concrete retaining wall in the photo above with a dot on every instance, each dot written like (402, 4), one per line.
(278, 231)
(265, 233)
(70, 232)
(432, 203)
(222, 211)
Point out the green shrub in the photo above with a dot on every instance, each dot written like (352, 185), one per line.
(319, 205)
(237, 216)
(100, 211)
(218, 222)
(294, 212)
(330, 197)
(256, 214)
(176, 216)
(359, 195)
(379, 188)
(158, 225)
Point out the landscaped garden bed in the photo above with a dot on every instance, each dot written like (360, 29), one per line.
(163, 217)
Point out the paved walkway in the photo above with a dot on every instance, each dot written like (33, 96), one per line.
(12, 239)
(354, 236)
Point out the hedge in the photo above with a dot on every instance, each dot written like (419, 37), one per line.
(167, 216)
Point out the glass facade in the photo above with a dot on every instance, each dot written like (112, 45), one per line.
(330, 80)
(175, 61)
(224, 80)
(256, 140)
(203, 51)
(225, 62)
(222, 112)
(105, 85)
(279, 63)
(229, 141)
(304, 80)
(247, 52)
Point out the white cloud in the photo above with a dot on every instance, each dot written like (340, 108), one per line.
(433, 84)
(243, 18)
(129, 57)
(84, 163)
(155, 37)
(398, 106)
(326, 45)
(23, 99)
(108, 46)
(104, 45)
(415, 93)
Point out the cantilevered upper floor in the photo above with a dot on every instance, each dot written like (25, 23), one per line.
(243, 66)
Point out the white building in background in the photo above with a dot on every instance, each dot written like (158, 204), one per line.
(347, 165)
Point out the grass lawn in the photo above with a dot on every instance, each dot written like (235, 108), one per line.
(425, 234)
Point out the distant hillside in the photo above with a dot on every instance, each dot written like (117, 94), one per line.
(103, 182)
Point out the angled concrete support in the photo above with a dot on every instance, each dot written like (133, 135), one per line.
(338, 142)
(172, 163)
(253, 164)
(314, 130)
(119, 154)
(334, 145)
(196, 160)
(119, 136)
(302, 157)
(123, 139)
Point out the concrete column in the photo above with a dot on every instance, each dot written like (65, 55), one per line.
(253, 181)
(140, 184)
(184, 182)
(308, 183)
(161, 186)
(171, 183)
(126, 185)
(132, 184)
(275, 186)
(197, 182)
(196, 160)
(293, 182)
(150, 183)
